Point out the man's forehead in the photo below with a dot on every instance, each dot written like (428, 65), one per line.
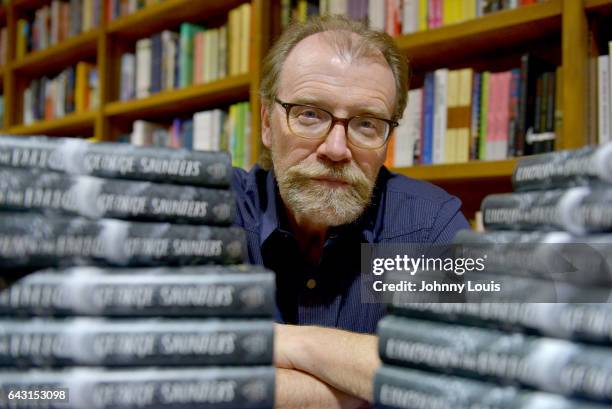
(323, 59)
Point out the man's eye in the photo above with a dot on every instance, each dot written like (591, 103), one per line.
(367, 124)
(309, 114)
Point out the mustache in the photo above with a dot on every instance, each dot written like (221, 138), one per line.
(348, 173)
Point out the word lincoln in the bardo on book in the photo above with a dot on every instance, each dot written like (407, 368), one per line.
(414, 265)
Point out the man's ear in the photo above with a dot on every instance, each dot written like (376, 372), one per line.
(266, 130)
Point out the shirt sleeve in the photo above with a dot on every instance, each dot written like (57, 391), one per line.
(448, 222)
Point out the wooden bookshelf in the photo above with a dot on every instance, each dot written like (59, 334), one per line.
(460, 171)
(438, 47)
(228, 90)
(69, 52)
(69, 125)
(167, 14)
(486, 38)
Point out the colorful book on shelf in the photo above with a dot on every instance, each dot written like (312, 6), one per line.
(187, 34)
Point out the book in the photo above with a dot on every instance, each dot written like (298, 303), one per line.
(547, 364)
(110, 160)
(32, 240)
(578, 210)
(578, 167)
(412, 389)
(40, 342)
(92, 197)
(590, 323)
(151, 388)
(192, 291)
(553, 256)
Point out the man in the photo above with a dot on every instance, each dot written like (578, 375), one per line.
(332, 93)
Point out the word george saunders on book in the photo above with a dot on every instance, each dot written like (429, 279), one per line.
(124, 283)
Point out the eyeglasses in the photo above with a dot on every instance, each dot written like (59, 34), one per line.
(310, 122)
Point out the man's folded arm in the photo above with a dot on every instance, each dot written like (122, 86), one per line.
(295, 389)
(343, 360)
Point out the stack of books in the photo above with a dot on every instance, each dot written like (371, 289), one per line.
(543, 337)
(123, 291)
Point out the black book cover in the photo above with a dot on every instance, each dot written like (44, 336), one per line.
(32, 240)
(92, 197)
(198, 291)
(134, 342)
(116, 160)
(409, 389)
(578, 210)
(580, 167)
(548, 364)
(147, 388)
(584, 322)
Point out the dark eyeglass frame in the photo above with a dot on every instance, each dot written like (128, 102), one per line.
(344, 121)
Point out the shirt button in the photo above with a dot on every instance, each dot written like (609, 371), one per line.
(311, 283)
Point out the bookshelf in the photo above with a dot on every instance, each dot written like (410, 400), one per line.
(558, 28)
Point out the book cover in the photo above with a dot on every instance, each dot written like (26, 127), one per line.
(32, 240)
(542, 363)
(152, 388)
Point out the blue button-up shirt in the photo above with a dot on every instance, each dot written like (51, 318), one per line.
(328, 294)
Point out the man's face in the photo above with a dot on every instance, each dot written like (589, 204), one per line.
(327, 181)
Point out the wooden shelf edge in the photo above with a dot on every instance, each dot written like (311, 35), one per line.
(167, 98)
(460, 171)
(537, 19)
(67, 123)
(597, 5)
(172, 11)
(88, 39)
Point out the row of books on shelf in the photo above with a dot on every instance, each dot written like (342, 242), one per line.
(170, 60)
(211, 130)
(119, 8)
(399, 16)
(75, 89)
(55, 23)
(604, 97)
(462, 115)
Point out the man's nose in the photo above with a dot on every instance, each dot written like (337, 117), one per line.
(335, 147)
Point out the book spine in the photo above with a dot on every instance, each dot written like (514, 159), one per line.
(204, 291)
(96, 341)
(577, 210)
(556, 257)
(428, 119)
(77, 156)
(583, 322)
(150, 388)
(564, 168)
(34, 189)
(412, 389)
(38, 241)
(551, 365)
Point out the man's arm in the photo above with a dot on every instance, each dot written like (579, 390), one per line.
(344, 360)
(295, 389)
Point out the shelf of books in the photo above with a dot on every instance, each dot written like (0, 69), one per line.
(184, 99)
(168, 13)
(70, 124)
(72, 49)
(431, 47)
